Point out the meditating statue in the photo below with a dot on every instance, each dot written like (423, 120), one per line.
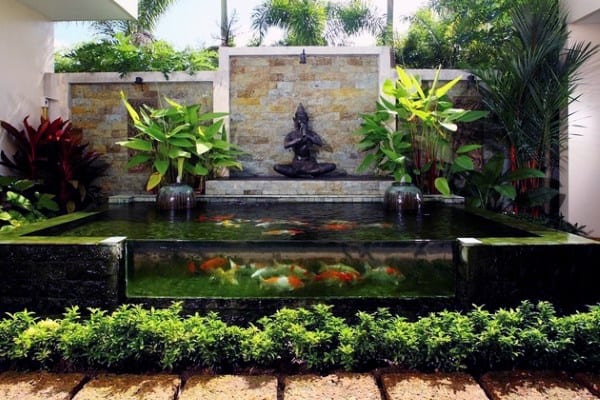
(302, 140)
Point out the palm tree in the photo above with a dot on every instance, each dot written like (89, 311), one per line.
(532, 85)
(315, 22)
(149, 12)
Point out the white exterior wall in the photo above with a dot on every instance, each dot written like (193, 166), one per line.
(26, 48)
(580, 180)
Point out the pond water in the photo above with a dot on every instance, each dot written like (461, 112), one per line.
(289, 250)
(291, 221)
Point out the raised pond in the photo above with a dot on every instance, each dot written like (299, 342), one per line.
(261, 255)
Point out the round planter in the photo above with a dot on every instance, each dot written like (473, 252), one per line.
(177, 196)
(403, 197)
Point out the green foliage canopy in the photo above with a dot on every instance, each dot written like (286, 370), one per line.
(121, 54)
(315, 22)
(456, 34)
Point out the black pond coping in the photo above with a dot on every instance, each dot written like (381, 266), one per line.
(46, 274)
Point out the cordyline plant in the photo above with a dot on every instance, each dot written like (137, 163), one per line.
(419, 148)
(55, 157)
(179, 139)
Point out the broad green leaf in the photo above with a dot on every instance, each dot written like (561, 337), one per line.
(441, 184)
(369, 160)
(506, 190)
(181, 142)
(202, 148)
(178, 153)
(467, 148)
(46, 201)
(213, 115)
(153, 181)
(19, 200)
(130, 110)
(136, 144)
(452, 127)
(161, 166)
(524, 173)
(138, 159)
(446, 88)
(23, 184)
(200, 170)
(462, 163)
(4, 216)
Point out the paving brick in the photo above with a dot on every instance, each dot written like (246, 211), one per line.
(591, 381)
(38, 385)
(225, 387)
(130, 387)
(331, 387)
(544, 385)
(439, 386)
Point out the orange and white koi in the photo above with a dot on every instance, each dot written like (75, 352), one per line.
(227, 223)
(336, 225)
(338, 277)
(282, 283)
(384, 274)
(282, 269)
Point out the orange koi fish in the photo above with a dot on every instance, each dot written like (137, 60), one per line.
(384, 274)
(191, 267)
(339, 277)
(338, 226)
(282, 283)
(213, 263)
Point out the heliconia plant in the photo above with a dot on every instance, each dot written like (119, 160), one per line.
(419, 148)
(179, 139)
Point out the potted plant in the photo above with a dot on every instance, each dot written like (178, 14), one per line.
(409, 136)
(177, 140)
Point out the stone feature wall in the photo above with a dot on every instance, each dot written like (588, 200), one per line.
(98, 113)
(265, 91)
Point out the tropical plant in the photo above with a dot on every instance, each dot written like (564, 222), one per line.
(121, 54)
(456, 34)
(178, 139)
(493, 186)
(315, 22)
(529, 89)
(149, 12)
(419, 148)
(20, 203)
(55, 156)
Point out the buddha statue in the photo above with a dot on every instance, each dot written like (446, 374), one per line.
(303, 141)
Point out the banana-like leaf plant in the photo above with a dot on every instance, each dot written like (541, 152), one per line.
(409, 136)
(179, 139)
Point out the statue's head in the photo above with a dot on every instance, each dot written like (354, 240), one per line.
(301, 115)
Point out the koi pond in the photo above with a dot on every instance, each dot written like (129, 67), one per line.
(305, 250)
(248, 258)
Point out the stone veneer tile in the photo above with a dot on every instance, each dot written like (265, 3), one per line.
(344, 386)
(38, 385)
(418, 386)
(130, 387)
(225, 387)
(541, 385)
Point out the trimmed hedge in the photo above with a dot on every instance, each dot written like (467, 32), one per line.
(136, 339)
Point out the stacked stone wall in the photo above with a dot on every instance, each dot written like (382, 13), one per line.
(334, 89)
(98, 113)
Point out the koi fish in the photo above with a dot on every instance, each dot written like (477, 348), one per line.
(338, 277)
(340, 268)
(223, 276)
(283, 232)
(227, 223)
(385, 274)
(380, 225)
(213, 263)
(338, 226)
(191, 266)
(281, 269)
(281, 283)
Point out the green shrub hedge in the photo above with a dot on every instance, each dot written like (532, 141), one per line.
(133, 338)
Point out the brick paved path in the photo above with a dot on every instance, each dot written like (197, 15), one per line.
(509, 385)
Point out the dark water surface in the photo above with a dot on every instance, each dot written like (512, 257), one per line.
(291, 221)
